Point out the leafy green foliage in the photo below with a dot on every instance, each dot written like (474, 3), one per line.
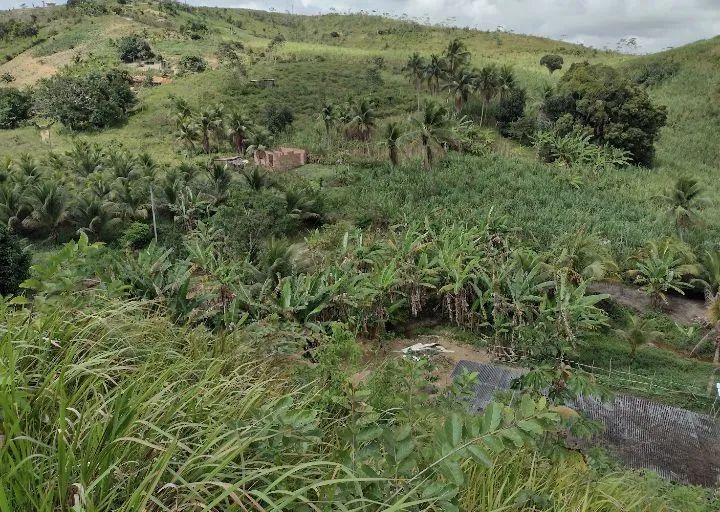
(278, 118)
(134, 48)
(192, 64)
(509, 109)
(552, 62)
(577, 149)
(15, 107)
(14, 262)
(616, 111)
(96, 100)
(136, 236)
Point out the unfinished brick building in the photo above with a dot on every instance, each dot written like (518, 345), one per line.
(281, 159)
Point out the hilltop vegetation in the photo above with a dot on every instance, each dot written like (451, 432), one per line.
(181, 334)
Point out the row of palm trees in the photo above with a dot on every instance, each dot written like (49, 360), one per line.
(96, 192)
(212, 128)
(450, 72)
(434, 127)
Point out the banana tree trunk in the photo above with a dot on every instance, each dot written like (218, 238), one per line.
(428, 156)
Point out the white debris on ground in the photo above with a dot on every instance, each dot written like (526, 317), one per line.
(419, 350)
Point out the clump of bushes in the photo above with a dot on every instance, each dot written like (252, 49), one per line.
(552, 62)
(653, 73)
(598, 99)
(195, 29)
(134, 48)
(192, 64)
(15, 107)
(509, 109)
(96, 100)
(17, 28)
(136, 236)
(278, 118)
(14, 262)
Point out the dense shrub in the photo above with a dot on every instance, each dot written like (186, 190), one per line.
(523, 129)
(195, 29)
(14, 107)
(14, 262)
(509, 109)
(653, 73)
(278, 118)
(134, 48)
(249, 217)
(552, 62)
(136, 236)
(192, 64)
(616, 111)
(17, 28)
(96, 100)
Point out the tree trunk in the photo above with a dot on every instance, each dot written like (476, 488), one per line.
(393, 156)
(206, 142)
(428, 156)
(482, 113)
(458, 104)
(716, 359)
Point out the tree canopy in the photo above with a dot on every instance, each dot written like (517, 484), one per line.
(96, 100)
(597, 99)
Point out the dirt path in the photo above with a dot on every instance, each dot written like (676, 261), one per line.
(680, 309)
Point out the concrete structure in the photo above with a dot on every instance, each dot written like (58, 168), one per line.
(281, 159)
(675, 443)
(238, 162)
(264, 83)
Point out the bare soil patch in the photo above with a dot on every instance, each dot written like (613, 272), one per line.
(445, 362)
(681, 309)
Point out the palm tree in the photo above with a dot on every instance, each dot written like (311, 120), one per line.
(146, 165)
(660, 271)
(328, 117)
(460, 87)
(638, 331)
(238, 129)
(27, 169)
(95, 217)
(256, 179)
(683, 203)
(434, 71)
(187, 134)
(49, 204)
(486, 83)
(456, 56)
(259, 139)
(711, 274)
(204, 123)
(121, 164)
(393, 132)
(362, 121)
(506, 81)
(84, 158)
(15, 205)
(217, 126)
(414, 69)
(220, 179)
(433, 127)
(131, 204)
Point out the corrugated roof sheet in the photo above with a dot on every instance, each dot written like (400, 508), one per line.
(677, 444)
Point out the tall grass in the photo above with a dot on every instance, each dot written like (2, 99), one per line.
(105, 407)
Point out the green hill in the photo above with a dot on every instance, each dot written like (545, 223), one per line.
(310, 67)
